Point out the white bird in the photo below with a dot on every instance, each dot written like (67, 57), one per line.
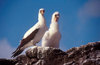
(52, 36)
(33, 35)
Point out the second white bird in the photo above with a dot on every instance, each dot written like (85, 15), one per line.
(52, 36)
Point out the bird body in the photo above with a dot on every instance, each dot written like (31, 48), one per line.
(52, 36)
(33, 35)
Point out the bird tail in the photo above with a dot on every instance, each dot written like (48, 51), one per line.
(17, 52)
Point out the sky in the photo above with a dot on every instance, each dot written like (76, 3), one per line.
(79, 21)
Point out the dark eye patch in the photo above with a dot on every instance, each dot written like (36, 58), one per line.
(43, 10)
(56, 15)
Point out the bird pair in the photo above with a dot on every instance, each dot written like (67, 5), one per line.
(50, 37)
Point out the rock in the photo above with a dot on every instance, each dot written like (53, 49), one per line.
(89, 62)
(7, 61)
(84, 55)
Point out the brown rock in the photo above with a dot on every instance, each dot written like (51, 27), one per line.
(84, 55)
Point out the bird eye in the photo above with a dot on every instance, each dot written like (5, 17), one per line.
(55, 15)
(43, 10)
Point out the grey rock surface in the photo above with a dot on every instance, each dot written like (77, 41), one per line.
(84, 55)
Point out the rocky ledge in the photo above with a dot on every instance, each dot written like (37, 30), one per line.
(84, 55)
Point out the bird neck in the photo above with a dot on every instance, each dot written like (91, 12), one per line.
(54, 26)
(41, 19)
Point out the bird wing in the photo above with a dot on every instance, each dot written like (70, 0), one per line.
(25, 41)
(29, 38)
(36, 26)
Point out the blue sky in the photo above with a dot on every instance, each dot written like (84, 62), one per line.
(79, 21)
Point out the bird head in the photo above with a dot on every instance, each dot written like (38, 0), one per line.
(42, 11)
(56, 16)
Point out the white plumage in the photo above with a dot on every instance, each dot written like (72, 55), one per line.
(33, 35)
(52, 36)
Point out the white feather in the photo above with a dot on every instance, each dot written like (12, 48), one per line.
(37, 31)
(52, 36)
(41, 24)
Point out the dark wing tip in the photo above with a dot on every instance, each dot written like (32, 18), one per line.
(23, 42)
(17, 52)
